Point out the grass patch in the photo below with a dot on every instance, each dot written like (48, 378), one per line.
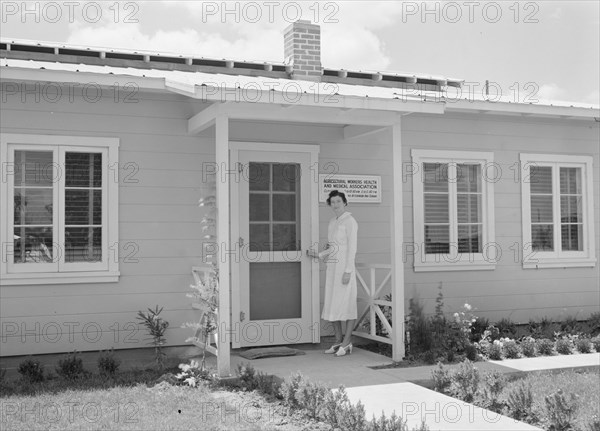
(582, 384)
(163, 406)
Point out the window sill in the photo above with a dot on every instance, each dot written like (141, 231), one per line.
(557, 263)
(59, 278)
(432, 267)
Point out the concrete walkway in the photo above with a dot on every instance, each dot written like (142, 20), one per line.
(391, 390)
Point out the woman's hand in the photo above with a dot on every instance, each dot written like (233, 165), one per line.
(313, 254)
(346, 277)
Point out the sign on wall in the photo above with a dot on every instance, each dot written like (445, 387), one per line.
(358, 188)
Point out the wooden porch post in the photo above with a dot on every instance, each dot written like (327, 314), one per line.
(224, 243)
(397, 238)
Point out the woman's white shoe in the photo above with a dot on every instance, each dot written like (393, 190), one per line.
(333, 349)
(343, 351)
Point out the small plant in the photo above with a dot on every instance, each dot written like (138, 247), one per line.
(494, 351)
(561, 411)
(596, 343)
(70, 367)
(156, 326)
(31, 370)
(564, 346)
(465, 381)
(247, 375)
(545, 347)
(441, 378)
(520, 401)
(492, 385)
(353, 417)
(583, 345)
(108, 364)
(511, 349)
(479, 327)
(528, 347)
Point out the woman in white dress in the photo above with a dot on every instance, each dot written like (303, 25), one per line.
(340, 285)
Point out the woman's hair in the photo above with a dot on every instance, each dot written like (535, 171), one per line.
(334, 193)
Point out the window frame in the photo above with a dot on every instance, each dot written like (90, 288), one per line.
(558, 258)
(454, 261)
(60, 271)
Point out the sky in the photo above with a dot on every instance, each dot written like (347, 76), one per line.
(527, 50)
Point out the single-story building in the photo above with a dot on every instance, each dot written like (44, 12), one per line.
(105, 155)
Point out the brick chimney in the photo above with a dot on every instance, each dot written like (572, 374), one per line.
(302, 50)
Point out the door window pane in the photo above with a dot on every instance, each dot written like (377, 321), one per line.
(259, 176)
(274, 210)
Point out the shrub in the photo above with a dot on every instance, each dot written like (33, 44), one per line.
(311, 397)
(333, 407)
(593, 424)
(492, 385)
(465, 381)
(570, 325)
(511, 349)
(353, 417)
(494, 351)
(31, 370)
(594, 323)
(479, 326)
(596, 343)
(528, 347)
(191, 374)
(70, 367)
(583, 345)
(545, 347)
(506, 327)
(520, 402)
(441, 378)
(564, 346)
(289, 390)
(471, 352)
(108, 364)
(421, 339)
(561, 410)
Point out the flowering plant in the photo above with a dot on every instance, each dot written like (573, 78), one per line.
(191, 373)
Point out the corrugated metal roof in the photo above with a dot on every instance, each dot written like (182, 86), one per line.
(225, 81)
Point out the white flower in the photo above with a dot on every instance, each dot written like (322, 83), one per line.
(467, 307)
(456, 315)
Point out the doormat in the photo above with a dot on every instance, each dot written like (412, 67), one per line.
(269, 352)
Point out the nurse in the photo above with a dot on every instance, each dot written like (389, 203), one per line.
(340, 281)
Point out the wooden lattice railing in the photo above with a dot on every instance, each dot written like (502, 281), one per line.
(373, 312)
(202, 274)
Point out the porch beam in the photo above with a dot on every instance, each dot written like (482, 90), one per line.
(223, 238)
(355, 132)
(203, 119)
(309, 114)
(397, 240)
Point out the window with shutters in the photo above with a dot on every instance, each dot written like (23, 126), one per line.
(60, 222)
(453, 210)
(558, 229)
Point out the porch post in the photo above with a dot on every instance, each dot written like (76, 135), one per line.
(223, 258)
(397, 238)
